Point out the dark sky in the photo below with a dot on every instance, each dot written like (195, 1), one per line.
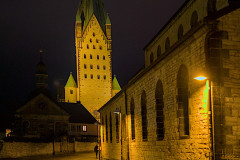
(28, 25)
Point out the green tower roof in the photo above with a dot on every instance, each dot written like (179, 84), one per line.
(71, 82)
(89, 7)
(115, 84)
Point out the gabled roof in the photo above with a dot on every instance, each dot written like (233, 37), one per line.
(86, 10)
(71, 82)
(115, 84)
(78, 113)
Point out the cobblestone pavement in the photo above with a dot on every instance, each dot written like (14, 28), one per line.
(73, 156)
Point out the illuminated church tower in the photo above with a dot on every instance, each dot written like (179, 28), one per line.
(93, 55)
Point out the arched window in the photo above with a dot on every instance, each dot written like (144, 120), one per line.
(159, 110)
(167, 43)
(182, 98)
(106, 129)
(144, 116)
(180, 31)
(117, 129)
(151, 57)
(159, 51)
(194, 19)
(132, 119)
(110, 127)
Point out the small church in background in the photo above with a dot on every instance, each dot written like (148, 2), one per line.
(95, 85)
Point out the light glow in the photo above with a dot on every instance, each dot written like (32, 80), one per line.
(200, 78)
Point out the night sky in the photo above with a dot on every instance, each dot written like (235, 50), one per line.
(29, 25)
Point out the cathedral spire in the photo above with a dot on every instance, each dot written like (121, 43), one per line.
(41, 73)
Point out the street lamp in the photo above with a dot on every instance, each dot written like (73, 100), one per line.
(117, 112)
(211, 126)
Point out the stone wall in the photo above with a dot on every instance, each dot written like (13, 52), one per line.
(21, 149)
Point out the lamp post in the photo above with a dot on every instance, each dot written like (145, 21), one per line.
(117, 112)
(211, 118)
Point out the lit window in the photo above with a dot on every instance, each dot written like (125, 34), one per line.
(90, 56)
(97, 56)
(84, 128)
(103, 57)
(98, 67)
(85, 75)
(104, 67)
(71, 91)
(91, 66)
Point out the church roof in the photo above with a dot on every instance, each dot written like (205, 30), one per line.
(78, 113)
(115, 84)
(86, 10)
(71, 82)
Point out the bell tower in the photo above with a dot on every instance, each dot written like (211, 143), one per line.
(93, 55)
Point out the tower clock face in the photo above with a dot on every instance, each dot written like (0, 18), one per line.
(42, 106)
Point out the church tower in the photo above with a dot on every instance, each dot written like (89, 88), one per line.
(93, 55)
(41, 74)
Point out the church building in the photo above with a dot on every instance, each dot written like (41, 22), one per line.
(94, 85)
(185, 103)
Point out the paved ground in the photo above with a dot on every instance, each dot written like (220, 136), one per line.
(73, 156)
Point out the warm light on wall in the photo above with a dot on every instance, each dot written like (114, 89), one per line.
(205, 100)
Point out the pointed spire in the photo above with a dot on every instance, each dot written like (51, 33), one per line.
(71, 82)
(108, 20)
(115, 84)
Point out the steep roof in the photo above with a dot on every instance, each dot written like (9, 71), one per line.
(115, 84)
(71, 82)
(86, 10)
(78, 113)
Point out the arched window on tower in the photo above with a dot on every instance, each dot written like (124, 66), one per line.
(144, 116)
(159, 51)
(159, 110)
(132, 119)
(182, 99)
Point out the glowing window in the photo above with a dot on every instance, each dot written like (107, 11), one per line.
(84, 128)
(182, 100)
(159, 110)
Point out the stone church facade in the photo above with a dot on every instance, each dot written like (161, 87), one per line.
(163, 112)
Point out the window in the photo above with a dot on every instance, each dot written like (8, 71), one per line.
(167, 44)
(97, 40)
(98, 67)
(98, 76)
(84, 128)
(85, 75)
(94, 34)
(144, 116)
(71, 91)
(85, 66)
(91, 76)
(182, 99)
(94, 47)
(103, 129)
(90, 40)
(90, 56)
(180, 31)
(132, 119)
(85, 56)
(159, 51)
(100, 47)
(117, 128)
(73, 129)
(159, 110)
(104, 67)
(110, 127)
(97, 56)
(194, 19)
(103, 57)
(91, 66)
(106, 129)
(151, 57)
(87, 46)
(104, 77)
